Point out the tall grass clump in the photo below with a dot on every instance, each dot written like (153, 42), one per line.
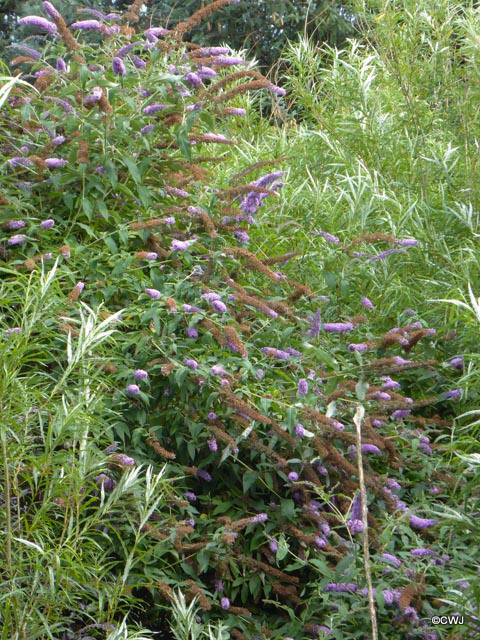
(226, 394)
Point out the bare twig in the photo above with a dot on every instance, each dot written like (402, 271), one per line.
(359, 414)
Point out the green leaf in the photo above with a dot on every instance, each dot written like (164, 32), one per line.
(343, 565)
(87, 207)
(249, 478)
(287, 508)
(133, 169)
(282, 549)
(111, 244)
(102, 207)
(180, 375)
(330, 279)
(203, 560)
(361, 389)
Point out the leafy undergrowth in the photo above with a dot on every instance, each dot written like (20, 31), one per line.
(178, 399)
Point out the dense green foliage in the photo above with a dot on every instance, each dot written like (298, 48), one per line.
(263, 28)
(178, 414)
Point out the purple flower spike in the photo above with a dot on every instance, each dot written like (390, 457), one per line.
(190, 363)
(392, 559)
(14, 225)
(338, 327)
(123, 459)
(421, 523)
(219, 306)
(212, 444)
(155, 108)
(293, 476)
(259, 518)
(40, 23)
(455, 394)
(190, 496)
(50, 9)
(366, 303)
(87, 25)
(138, 62)
(225, 603)
(302, 388)
(47, 224)
(132, 390)
(126, 49)
(118, 67)
(180, 245)
(140, 374)
(355, 523)
(457, 363)
(389, 384)
(259, 374)
(399, 414)
(19, 238)
(188, 308)
(147, 129)
(327, 236)
(407, 242)
(153, 293)
(218, 370)
(300, 430)
(55, 163)
(104, 481)
(423, 553)
(340, 587)
(360, 347)
(204, 475)
(191, 332)
(212, 416)
(273, 545)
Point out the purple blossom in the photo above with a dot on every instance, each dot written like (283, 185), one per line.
(132, 390)
(355, 523)
(193, 79)
(58, 140)
(180, 245)
(40, 23)
(455, 394)
(140, 374)
(211, 295)
(457, 363)
(378, 423)
(302, 387)
(181, 193)
(327, 236)
(315, 325)
(123, 459)
(9, 332)
(259, 518)
(338, 327)
(55, 163)
(273, 545)
(299, 430)
(155, 108)
(94, 12)
(253, 200)
(381, 395)
(87, 25)
(219, 306)
(360, 347)
(153, 293)
(212, 415)
(425, 448)
(227, 61)
(138, 62)
(118, 67)
(14, 225)
(93, 97)
(389, 384)
(206, 73)
(218, 370)
(366, 303)
(407, 242)
(338, 425)
(393, 484)
(19, 238)
(276, 353)
(421, 523)
(153, 33)
(242, 236)
(112, 447)
(423, 553)
(225, 603)
(212, 444)
(32, 53)
(293, 476)
(125, 49)
(20, 162)
(190, 363)
(389, 557)
(234, 111)
(104, 481)
(190, 496)
(188, 308)
(340, 587)
(384, 254)
(215, 137)
(191, 332)
(206, 52)
(399, 414)
(219, 586)
(259, 374)
(391, 595)
(50, 9)
(366, 448)
(293, 352)
(278, 91)
(204, 475)
(147, 129)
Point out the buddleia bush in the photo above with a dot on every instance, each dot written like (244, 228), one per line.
(226, 369)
